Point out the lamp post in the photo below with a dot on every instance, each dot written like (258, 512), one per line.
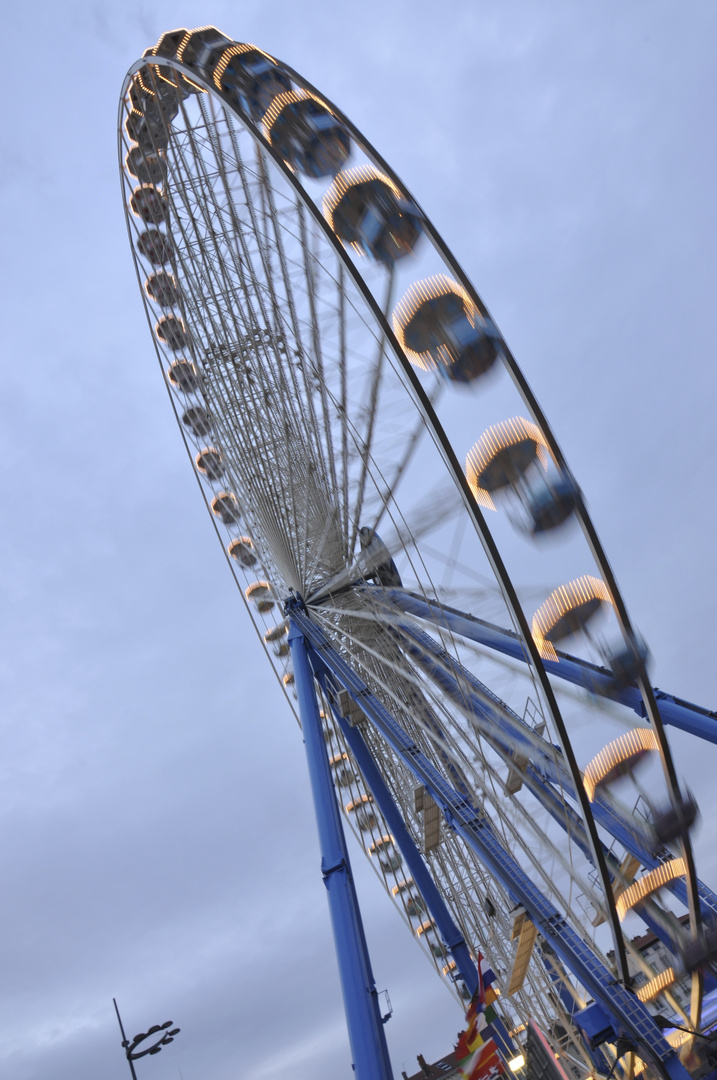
(165, 1033)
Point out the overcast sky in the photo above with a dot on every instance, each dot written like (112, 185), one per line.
(156, 835)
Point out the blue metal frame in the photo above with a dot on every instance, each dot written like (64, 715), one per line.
(674, 711)
(450, 933)
(363, 1015)
(628, 1015)
(545, 777)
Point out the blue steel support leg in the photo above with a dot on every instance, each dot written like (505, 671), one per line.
(450, 933)
(628, 1014)
(366, 1033)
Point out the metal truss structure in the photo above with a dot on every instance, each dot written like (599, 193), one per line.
(327, 358)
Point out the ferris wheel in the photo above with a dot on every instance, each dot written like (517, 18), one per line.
(392, 501)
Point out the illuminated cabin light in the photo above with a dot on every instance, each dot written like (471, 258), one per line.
(209, 463)
(421, 291)
(412, 899)
(357, 803)
(162, 289)
(143, 75)
(655, 986)
(343, 773)
(169, 43)
(172, 332)
(388, 855)
(276, 633)
(566, 611)
(235, 50)
(225, 506)
(349, 178)
(517, 1062)
(166, 46)
(241, 548)
(617, 758)
(288, 98)
(648, 884)
(501, 455)
(426, 926)
(172, 44)
(259, 590)
(190, 34)
(183, 376)
(379, 845)
(521, 1027)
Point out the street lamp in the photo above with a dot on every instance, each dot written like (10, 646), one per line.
(161, 1035)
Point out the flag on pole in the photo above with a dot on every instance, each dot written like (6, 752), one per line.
(485, 1064)
(476, 1050)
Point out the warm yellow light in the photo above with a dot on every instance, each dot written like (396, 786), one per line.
(144, 82)
(358, 802)
(562, 600)
(259, 590)
(190, 33)
(229, 52)
(281, 101)
(169, 33)
(633, 743)
(492, 442)
(385, 841)
(649, 883)
(655, 986)
(517, 1062)
(347, 179)
(429, 289)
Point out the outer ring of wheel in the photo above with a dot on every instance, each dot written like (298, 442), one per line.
(450, 459)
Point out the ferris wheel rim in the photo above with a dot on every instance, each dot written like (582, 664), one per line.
(450, 460)
(423, 403)
(447, 452)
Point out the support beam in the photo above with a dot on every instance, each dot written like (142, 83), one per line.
(363, 1016)
(438, 909)
(545, 776)
(628, 1015)
(674, 711)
